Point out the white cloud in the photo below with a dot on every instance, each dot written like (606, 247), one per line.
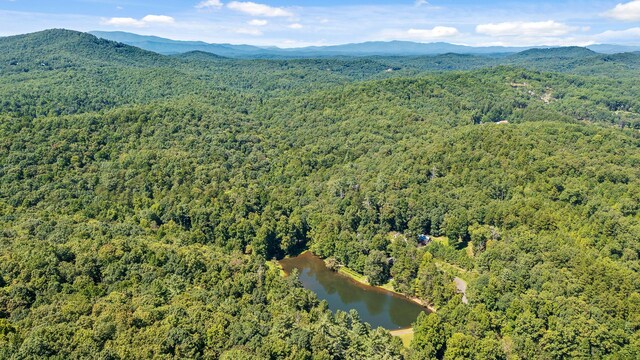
(258, 22)
(425, 3)
(523, 28)
(438, 32)
(330, 25)
(295, 26)
(209, 4)
(255, 9)
(158, 19)
(623, 36)
(627, 12)
(145, 21)
(123, 21)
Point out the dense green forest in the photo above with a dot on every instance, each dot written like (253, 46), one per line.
(141, 194)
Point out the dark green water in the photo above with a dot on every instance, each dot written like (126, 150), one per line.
(376, 306)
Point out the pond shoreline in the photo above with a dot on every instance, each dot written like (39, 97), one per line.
(384, 287)
(406, 334)
(360, 279)
(333, 288)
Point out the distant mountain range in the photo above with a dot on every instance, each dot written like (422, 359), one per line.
(377, 48)
(62, 49)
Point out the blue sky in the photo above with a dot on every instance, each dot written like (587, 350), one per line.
(313, 22)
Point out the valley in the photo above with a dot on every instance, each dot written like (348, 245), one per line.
(146, 198)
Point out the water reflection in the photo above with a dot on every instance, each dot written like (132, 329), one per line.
(375, 306)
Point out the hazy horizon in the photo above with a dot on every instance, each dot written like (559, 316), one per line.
(363, 42)
(288, 24)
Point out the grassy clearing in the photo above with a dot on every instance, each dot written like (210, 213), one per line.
(395, 236)
(354, 275)
(456, 271)
(363, 279)
(388, 286)
(406, 335)
(469, 250)
(441, 239)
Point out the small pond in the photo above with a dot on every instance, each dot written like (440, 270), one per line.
(376, 306)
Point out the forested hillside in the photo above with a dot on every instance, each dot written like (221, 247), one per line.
(140, 196)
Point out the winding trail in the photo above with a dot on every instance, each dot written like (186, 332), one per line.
(461, 286)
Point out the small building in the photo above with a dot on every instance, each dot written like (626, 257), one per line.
(424, 240)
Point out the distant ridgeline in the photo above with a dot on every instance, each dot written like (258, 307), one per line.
(141, 194)
(379, 48)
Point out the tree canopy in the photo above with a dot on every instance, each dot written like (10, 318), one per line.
(140, 196)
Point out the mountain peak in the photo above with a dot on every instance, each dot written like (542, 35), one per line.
(567, 51)
(60, 48)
